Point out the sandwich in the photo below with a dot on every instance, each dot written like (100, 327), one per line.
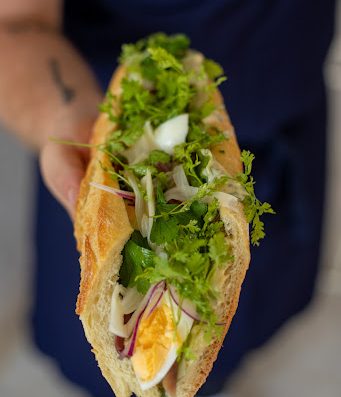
(162, 221)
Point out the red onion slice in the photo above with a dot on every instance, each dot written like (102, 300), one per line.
(156, 304)
(129, 349)
(155, 291)
(187, 306)
(121, 193)
(165, 167)
(119, 344)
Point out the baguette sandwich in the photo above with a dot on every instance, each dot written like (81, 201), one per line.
(162, 222)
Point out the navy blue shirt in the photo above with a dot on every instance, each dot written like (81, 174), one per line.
(272, 53)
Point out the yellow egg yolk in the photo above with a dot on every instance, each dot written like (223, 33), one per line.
(155, 337)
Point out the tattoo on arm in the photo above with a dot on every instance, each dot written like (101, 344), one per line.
(67, 92)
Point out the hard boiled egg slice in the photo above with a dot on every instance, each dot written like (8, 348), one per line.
(171, 133)
(161, 333)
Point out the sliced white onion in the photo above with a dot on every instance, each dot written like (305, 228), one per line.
(150, 194)
(181, 193)
(218, 167)
(150, 202)
(149, 206)
(144, 229)
(193, 61)
(235, 189)
(147, 84)
(182, 190)
(116, 192)
(131, 300)
(179, 176)
(171, 133)
(116, 322)
(135, 76)
(139, 202)
(213, 168)
(141, 149)
(123, 301)
(226, 199)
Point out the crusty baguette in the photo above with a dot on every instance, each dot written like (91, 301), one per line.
(102, 228)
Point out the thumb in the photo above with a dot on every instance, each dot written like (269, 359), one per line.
(62, 169)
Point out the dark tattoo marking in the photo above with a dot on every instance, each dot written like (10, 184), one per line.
(66, 91)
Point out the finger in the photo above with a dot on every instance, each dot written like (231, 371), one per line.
(63, 168)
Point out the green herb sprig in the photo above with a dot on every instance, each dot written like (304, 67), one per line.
(253, 207)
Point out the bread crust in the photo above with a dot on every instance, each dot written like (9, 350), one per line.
(101, 220)
(102, 228)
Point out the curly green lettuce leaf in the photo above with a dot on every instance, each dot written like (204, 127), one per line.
(165, 60)
(253, 207)
(176, 45)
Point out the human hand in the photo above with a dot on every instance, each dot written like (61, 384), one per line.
(47, 90)
(63, 166)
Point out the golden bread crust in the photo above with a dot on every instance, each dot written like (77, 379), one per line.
(101, 219)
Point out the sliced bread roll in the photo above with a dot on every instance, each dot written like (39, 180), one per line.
(102, 228)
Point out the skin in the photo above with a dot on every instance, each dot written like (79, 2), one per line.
(46, 90)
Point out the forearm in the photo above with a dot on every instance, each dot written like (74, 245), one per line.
(46, 88)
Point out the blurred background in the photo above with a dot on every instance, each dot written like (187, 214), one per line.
(303, 359)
